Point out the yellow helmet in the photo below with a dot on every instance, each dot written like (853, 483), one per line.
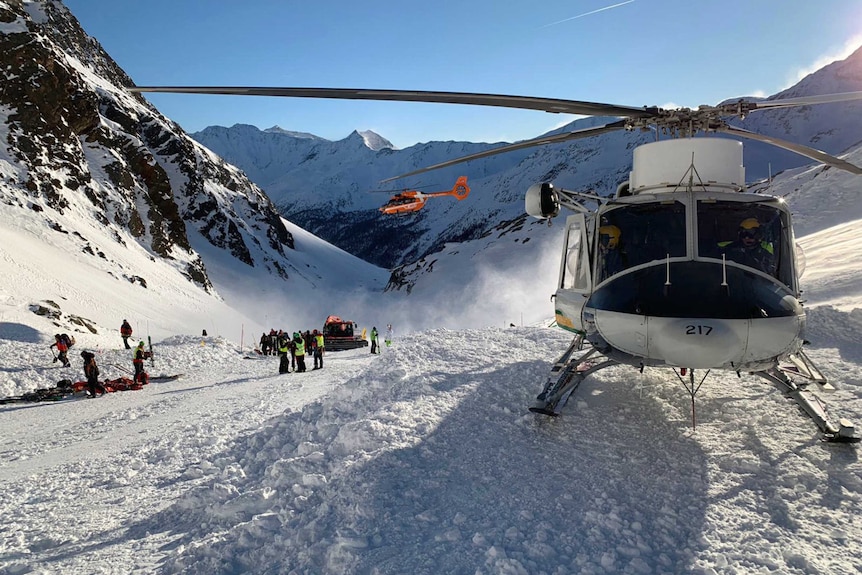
(749, 224)
(749, 227)
(610, 236)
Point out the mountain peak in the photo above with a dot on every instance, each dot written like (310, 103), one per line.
(372, 140)
(302, 135)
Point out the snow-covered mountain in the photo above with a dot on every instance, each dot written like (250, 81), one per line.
(119, 192)
(318, 182)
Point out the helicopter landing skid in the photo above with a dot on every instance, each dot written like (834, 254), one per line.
(566, 375)
(841, 431)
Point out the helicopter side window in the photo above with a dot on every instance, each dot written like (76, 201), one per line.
(639, 234)
(576, 265)
(755, 236)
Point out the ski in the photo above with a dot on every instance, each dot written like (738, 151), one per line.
(166, 377)
(62, 390)
(150, 341)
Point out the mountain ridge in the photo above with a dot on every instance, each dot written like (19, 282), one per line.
(324, 182)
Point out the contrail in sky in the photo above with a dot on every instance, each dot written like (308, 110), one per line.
(588, 13)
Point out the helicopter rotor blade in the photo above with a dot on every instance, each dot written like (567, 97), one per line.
(807, 100)
(554, 139)
(552, 105)
(404, 189)
(702, 118)
(812, 153)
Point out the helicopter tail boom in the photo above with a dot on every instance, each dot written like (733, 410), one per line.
(460, 190)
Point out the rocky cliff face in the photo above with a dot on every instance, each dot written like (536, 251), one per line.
(72, 141)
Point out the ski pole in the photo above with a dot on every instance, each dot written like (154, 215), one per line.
(54, 354)
(123, 369)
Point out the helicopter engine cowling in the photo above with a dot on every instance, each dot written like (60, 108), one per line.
(663, 166)
(542, 201)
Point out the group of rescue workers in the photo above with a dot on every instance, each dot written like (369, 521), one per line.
(290, 349)
(293, 349)
(91, 370)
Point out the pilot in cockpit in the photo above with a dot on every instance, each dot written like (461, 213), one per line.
(750, 248)
(612, 257)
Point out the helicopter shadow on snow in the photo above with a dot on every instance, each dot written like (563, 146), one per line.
(611, 470)
(577, 482)
(19, 332)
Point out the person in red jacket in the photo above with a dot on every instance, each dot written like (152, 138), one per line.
(126, 333)
(62, 348)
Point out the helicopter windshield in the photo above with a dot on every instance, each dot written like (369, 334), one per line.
(753, 235)
(640, 233)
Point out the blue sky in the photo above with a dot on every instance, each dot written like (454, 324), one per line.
(636, 52)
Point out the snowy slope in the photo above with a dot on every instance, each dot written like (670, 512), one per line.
(424, 460)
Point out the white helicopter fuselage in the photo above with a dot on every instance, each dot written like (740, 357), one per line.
(686, 290)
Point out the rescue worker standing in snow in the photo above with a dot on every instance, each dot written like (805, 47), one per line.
(126, 333)
(318, 349)
(374, 343)
(283, 349)
(299, 343)
(91, 372)
(291, 345)
(138, 361)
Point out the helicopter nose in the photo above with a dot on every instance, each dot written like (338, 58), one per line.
(698, 343)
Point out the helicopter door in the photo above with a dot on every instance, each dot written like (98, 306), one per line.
(576, 283)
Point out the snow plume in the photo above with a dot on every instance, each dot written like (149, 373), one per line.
(488, 288)
(471, 285)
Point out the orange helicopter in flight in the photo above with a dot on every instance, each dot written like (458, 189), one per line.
(410, 201)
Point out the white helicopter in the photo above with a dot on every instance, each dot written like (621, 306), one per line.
(680, 268)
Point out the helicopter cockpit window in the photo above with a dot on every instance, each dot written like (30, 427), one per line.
(638, 234)
(756, 236)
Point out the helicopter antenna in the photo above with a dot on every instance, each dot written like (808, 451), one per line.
(691, 173)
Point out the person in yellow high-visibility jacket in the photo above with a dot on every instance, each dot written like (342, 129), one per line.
(318, 349)
(375, 345)
(299, 342)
